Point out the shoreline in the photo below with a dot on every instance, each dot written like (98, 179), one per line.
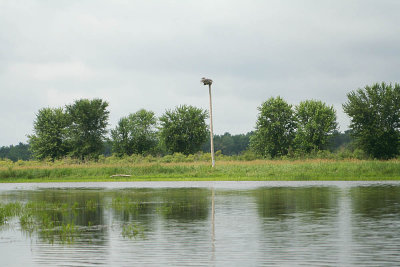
(272, 170)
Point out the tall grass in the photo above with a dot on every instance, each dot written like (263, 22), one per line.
(177, 158)
(284, 169)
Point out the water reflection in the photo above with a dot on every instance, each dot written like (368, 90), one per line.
(376, 224)
(132, 211)
(375, 201)
(298, 222)
(287, 202)
(67, 215)
(286, 225)
(185, 205)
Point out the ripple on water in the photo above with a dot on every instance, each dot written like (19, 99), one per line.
(254, 223)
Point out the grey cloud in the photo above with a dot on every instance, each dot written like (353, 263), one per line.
(151, 54)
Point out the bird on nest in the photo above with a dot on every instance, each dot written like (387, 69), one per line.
(206, 81)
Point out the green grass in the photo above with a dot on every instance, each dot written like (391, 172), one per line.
(259, 170)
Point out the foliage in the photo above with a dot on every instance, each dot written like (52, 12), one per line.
(132, 230)
(183, 129)
(275, 128)
(315, 124)
(375, 119)
(79, 132)
(107, 148)
(121, 138)
(50, 131)
(9, 168)
(228, 144)
(89, 119)
(341, 140)
(17, 152)
(135, 134)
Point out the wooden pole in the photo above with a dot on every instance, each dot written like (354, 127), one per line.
(211, 129)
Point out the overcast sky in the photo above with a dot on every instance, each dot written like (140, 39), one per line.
(152, 55)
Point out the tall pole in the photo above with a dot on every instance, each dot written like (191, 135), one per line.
(211, 129)
(208, 82)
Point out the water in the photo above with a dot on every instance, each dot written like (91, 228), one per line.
(196, 223)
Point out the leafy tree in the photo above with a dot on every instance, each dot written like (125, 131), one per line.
(121, 138)
(50, 130)
(183, 129)
(275, 128)
(375, 119)
(315, 124)
(135, 134)
(88, 128)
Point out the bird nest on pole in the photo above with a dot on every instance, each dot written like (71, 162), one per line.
(206, 81)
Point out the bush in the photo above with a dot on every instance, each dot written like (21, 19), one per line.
(248, 155)
(359, 154)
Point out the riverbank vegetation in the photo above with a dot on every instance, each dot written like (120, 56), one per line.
(197, 168)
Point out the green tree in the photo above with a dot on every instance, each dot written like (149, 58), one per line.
(88, 128)
(275, 128)
(316, 122)
(17, 152)
(49, 134)
(228, 144)
(375, 119)
(183, 129)
(135, 134)
(121, 138)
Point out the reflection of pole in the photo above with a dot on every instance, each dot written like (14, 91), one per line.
(211, 130)
(213, 224)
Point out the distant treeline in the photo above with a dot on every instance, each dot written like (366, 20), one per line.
(80, 130)
(228, 144)
(14, 153)
(231, 145)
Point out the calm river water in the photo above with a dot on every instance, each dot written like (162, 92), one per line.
(200, 224)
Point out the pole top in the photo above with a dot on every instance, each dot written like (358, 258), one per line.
(206, 81)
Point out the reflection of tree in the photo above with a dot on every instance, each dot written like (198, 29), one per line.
(298, 221)
(134, 205)
(283, 202)
(375, 223)
(185, 204)
(376, 201)
(68, 208)
(87, 206)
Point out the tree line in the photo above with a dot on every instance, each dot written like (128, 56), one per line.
(282, 129)
(16, 152)
(228, 144)
(79, 130)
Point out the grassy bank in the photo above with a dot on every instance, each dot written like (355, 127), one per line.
(257, 170)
